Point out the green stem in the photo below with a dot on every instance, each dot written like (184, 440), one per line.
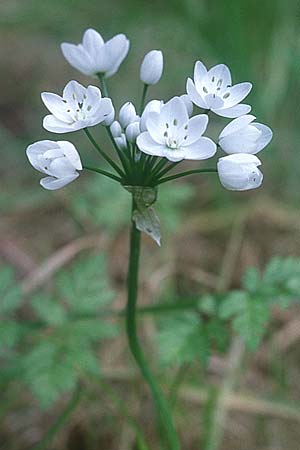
(167, 169)
(161, 405)
(103, 154)
(60, 421)
(184, 174)
(103, 172)
(122, 155)
(143, 100)
(103, 84)
(154, 170)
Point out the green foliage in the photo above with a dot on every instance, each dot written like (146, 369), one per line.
(183, 337)
(10, 300)
(250, 309)
(104, 203)
(61, 346)
(194, 334)
(52, 353)
(10, 292)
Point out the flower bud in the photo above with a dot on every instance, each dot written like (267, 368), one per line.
(152, 67)
(121, 142)
(127, 114)
(239, 172)
(116, 129)
(110, 115)
(132, 131)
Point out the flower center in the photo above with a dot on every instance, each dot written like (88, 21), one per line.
(172, 134)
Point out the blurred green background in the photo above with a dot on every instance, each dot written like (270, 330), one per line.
(260, 41)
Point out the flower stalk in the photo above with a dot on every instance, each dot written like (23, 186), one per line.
(161, 406)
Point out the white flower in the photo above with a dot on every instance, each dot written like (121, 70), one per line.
(127, 114)
(78, 108)
(132, 131)
(239, 172)
(59, 160)
(94, 55)
(243, 136)
(213, 90)
(152, 67)
(171, 134)
(152, 106)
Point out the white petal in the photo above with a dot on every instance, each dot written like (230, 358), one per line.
(77, 57)
(220, 72)
(117, 49)
(194, 95)
(60, 168)
(242, 158)
(236, 125)
(56, 106)
(213, 102)
(53, 153)
(200, 72)
(36, 149)
(188, 104)
(174, 109)
(155, 128)
(74, 93)
(95, 47)
(52, 183)
(175, 155)
(265, 138)
(51, 123)
(196, 127)
(244, 140)
(92, 42)
(203, 148)
(234, 111)
(152, 106)
(237, 93)
(71, 153)
(147, 145)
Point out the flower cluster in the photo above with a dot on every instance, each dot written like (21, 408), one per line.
(159, 133)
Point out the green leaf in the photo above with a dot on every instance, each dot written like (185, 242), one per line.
(48, 310)
(251, 280)
(10, 291)
(10, 333)
(85, 286)
(249, 315)
(181, 339)
(49, 371)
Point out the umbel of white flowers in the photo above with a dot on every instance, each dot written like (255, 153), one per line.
(160, 132)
